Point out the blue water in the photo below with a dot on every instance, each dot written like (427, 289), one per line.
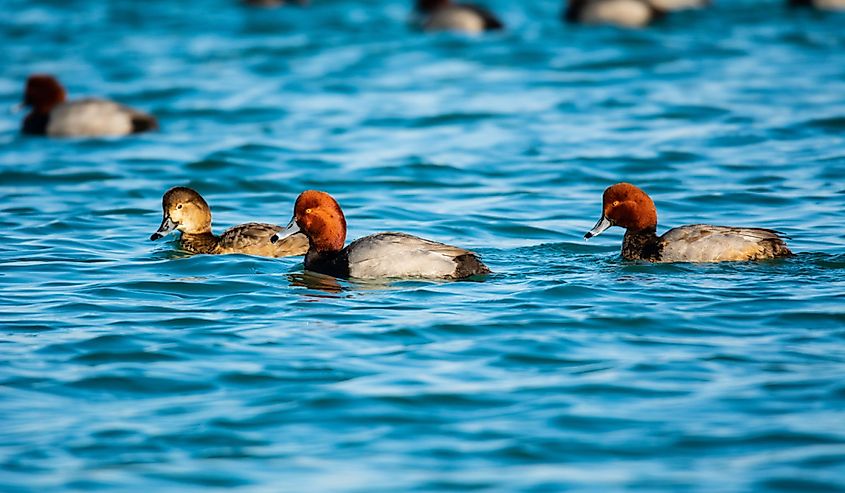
(128, 366)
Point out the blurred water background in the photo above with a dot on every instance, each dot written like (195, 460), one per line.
(127, 366)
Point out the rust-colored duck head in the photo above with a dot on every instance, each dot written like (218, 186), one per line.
(626, 206)
(43, 93)
(319, 217)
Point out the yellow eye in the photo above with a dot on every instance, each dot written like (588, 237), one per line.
(615, 203)
(308, 211)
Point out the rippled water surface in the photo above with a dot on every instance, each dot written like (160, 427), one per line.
(129, 366)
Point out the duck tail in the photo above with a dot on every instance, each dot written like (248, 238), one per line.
(143, 123)
(468, 265)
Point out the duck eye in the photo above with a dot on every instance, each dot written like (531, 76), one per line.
(179, 206)
(615, 203)
(308, 211)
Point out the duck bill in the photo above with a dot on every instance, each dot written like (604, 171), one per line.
(599, 228)
(291, 229)
(167, 225)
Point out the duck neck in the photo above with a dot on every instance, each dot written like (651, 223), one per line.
(35, 123)
(199, 242)
(329, 262)
(641, 245)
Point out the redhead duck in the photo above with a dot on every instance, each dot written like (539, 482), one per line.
(819, 4)
(185, 210)
(622, 13)
(444, 15)
(52, 115)
(382, 255)
(629, 207)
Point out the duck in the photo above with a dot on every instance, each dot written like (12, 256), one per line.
(445, 15)
(832, 5)
(273, 3)
(185, 210)
(620, 13)
(53, 116)
(379, 256)
(675, 5)
(627, 206)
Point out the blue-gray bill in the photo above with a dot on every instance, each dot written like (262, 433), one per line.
(291, 229)
(599, 228)
(167, 225)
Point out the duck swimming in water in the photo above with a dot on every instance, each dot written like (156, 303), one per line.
(629, 207)
(186, 211)
(675, 5)
(832, 5)
(622, 13)
(382, 255)
(53, 116)
(445, 15)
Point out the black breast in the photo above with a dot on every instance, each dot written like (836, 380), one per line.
(335, 264)
(35, 123)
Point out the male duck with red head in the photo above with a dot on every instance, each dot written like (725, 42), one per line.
(445, 15)
(52, 115)
(382, 255)
(629, 207)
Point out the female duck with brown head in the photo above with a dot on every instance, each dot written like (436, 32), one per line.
(629, 207)
(445, 15)
(53, 116)
(186, 211)
(382, 255)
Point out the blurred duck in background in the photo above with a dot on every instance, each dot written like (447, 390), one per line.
(625, 13)
(622, 13)
(53, 116)
(445, 15)
(833, 5)
(674, 5)
(274, 3)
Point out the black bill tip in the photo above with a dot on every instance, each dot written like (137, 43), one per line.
(156, 236)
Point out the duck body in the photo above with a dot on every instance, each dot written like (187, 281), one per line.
(184, 210)
(704, 243)
(832, 5)
(443, 15)
(397, 255)
(247, 239)
(674, 5)
(273, 3)
(622, 13)
(91, 118)
(378, 256)
(52, 116)
(629, 207)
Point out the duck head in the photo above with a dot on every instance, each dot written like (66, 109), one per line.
(184, 210)
(626, 206)
(43, 93)
(318, 216)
